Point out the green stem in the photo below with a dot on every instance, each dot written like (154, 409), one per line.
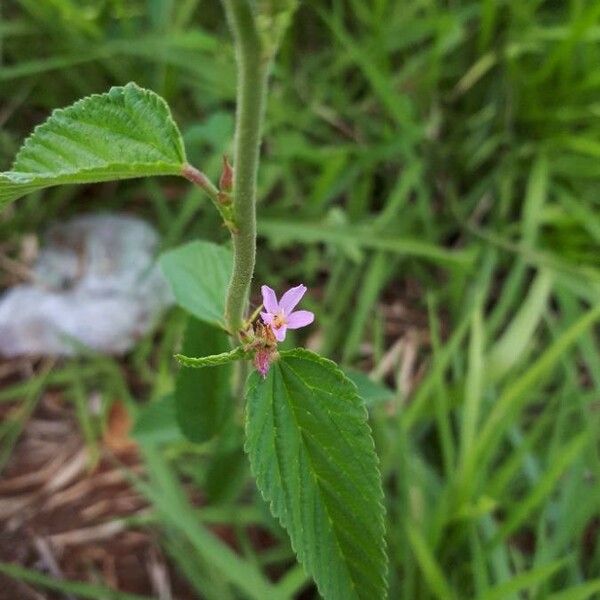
(253, 71)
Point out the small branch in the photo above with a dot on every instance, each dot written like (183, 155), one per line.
(199, 179)
(220, 199)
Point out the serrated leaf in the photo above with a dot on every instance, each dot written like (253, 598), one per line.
(312, 454)
(203, 396)
(127, 132)
(199, 274)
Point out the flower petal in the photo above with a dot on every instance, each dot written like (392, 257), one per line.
(280, 333)
(300, 318)
(291, 298)
(267, 318)
(269, 299)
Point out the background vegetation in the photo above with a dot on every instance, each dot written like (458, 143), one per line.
(430, 171)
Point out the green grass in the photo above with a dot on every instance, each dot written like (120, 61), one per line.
(441, 155)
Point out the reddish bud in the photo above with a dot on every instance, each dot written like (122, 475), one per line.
(226, 180)
(262, 361)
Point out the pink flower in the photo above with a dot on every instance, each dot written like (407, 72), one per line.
(279, 315)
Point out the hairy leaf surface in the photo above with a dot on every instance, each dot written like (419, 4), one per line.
(214, 360)
(127, 132)
(313, 457)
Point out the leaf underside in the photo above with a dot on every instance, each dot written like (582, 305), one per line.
(312, 454)
(127, 132)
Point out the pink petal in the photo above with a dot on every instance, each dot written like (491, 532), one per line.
(280, 333)
(269, 299)
(300, 318)
(267, 318)
(291, 298)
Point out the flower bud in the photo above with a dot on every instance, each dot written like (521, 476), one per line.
(226, 180)
(262, 361)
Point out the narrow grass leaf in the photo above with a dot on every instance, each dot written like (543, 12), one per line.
(515, 394)
(286, 232)
(432, 572)
(473, 386)
(82, 590)
(585, 591)
(168, 497)
(544, 488)
(508, 351)
(523, 581)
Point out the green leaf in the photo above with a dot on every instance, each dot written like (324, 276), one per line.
(312, 454)
(203, 396)
(585, 591)
(226, 473)
(156, 422)
(372, 392)
(74, 588)
(509, 350)
(199, 273)
(432, 571)
(199, 362)
(529, 580)
(287, 232)
(127, 132)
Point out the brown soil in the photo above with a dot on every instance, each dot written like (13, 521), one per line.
(60, 508)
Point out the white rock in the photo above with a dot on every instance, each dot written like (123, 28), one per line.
(97, 287)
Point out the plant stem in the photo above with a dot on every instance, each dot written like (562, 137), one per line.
(253, 71)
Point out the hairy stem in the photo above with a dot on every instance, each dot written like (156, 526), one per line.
(253, 69)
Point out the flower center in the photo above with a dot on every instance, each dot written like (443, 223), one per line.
(278, 320)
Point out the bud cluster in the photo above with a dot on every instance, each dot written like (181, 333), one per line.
(259, 338)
